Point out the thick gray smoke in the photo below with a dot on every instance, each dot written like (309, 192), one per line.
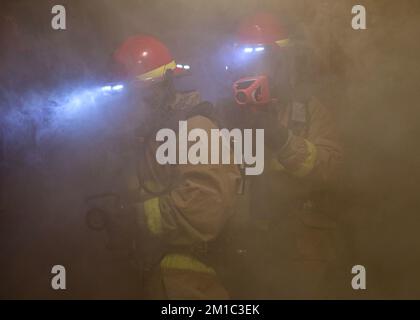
(58, 127)
(34, 120)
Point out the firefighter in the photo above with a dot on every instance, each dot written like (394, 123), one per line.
(290, 249)
(184, 207)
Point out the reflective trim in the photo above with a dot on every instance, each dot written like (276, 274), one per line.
(158, 72)
(283, 42)
(185, 262)
(153, 216)
(307, 166)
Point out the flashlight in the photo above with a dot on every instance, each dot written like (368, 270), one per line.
(252, 49)
(118, 87)
(112, 88)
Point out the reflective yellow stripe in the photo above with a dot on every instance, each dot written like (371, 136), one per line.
(184, 262)
(158, 72)
(283, 42)
(307, 166)
(153, 216)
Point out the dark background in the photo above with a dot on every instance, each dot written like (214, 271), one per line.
(368, 79)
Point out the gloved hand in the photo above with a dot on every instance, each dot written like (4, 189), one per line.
(125, 223)
(275, 134)
(107, 212)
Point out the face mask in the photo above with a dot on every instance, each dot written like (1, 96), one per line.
(270, 72)
(252, 91)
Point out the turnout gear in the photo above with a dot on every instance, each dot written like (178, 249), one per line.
(190, 216)
(178, 213)
(289, 247)
(285, 245)
(183, 208)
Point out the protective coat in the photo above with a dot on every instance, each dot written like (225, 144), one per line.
(189, 217)
(288, 244)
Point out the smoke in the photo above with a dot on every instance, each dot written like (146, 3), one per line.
(55, 125)
(34, 121)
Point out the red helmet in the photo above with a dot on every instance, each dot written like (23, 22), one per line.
(145, 59)
(262, 29)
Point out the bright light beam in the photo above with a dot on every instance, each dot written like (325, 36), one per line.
(118, 87)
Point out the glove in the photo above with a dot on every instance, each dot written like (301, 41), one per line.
(275, 134)
(108, 213)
